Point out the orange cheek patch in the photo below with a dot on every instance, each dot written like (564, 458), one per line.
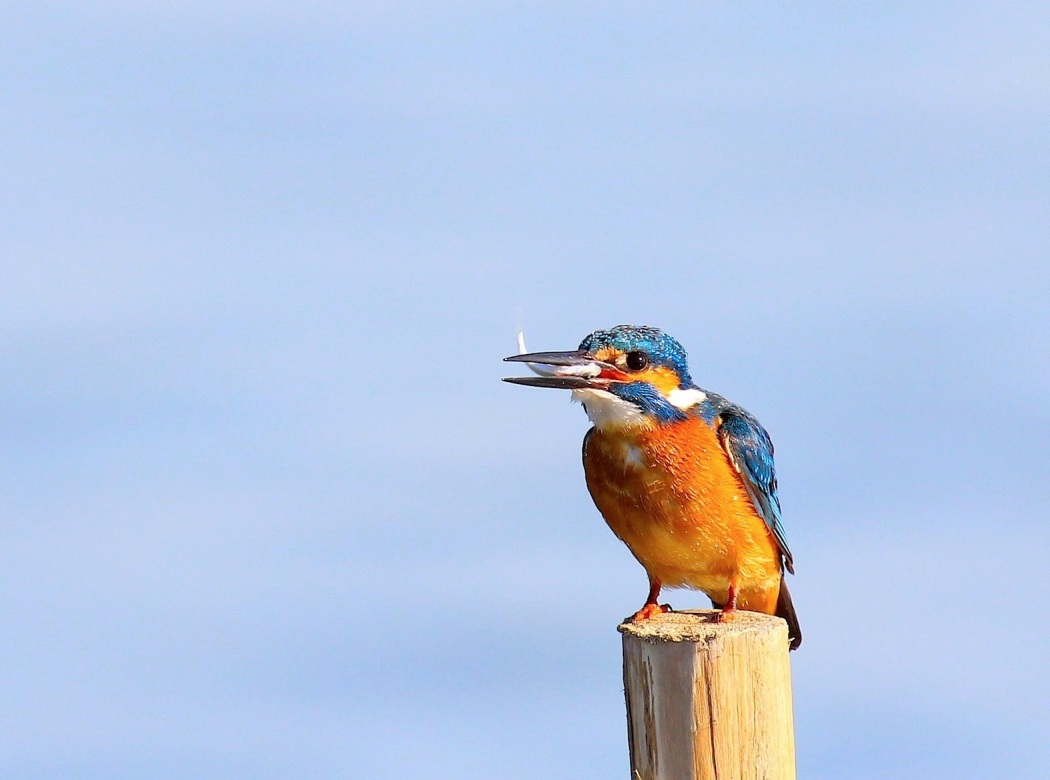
(664, 379)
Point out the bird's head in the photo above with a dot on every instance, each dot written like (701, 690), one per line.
(627, 376)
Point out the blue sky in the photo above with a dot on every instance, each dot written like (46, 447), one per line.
(268, 512)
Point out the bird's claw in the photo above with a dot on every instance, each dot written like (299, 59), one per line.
(725, 615)
(650, 611)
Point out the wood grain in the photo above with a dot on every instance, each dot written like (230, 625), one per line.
(707, 700)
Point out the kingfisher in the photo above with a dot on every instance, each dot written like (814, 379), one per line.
(683, 476)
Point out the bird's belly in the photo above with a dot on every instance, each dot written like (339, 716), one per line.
(683, 513)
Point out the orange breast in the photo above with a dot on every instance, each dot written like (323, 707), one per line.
(671, 494)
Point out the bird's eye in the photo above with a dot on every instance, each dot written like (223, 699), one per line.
(636, 361)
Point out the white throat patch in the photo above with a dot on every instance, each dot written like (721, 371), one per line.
(607, 410)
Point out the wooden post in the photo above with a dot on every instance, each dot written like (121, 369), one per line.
(706, 700)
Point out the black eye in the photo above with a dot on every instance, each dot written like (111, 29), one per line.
(636, 361)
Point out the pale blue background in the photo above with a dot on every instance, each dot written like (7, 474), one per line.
(267, 511)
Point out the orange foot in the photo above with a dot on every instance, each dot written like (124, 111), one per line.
(729, 608)
(650, 611)
(725, 615)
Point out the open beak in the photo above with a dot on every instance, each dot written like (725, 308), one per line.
(565, 370)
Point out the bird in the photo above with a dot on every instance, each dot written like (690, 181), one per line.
(683, 476)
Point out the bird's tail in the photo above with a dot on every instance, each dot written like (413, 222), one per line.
(786, 610)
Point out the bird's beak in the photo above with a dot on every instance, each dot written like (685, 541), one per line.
(565, 370)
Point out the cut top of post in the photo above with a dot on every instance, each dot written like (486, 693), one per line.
(700, 626)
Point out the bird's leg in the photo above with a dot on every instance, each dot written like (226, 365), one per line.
(651, 608)
(730, 606)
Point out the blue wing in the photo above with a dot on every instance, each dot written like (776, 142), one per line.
(750, 450)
